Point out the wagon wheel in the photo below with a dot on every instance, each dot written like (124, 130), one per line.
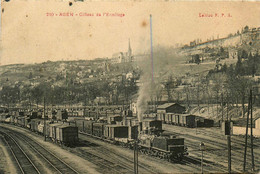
(150, 152)
(146, 152)
(160, 155)
(165, 156)
(180, 158)
(169, 159)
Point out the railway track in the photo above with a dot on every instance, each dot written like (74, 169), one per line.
(217, 147)
(111, 159)
(124, 160)
(143, 168)
(105, 165)
(22, 160)
(51, 161)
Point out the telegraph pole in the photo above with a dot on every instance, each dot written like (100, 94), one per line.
(136, 152)
(229, 138)
(222, 106)
(247, 120)
(229, 150)
(151, 38)
(44, 116)
(251, 122)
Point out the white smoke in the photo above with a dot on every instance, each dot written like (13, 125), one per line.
(164, 62)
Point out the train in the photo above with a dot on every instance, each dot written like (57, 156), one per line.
(126, 131)
(185, 120)
(58, 132)
(148, 135)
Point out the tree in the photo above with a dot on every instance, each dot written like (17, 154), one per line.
(246, 28)
(244, 54)
(222, 50)
(197, 59)
(37, 95)
(187, 92)
(224, 68)
(30, 75)
(252, 65)
(239, 69)
(169, 86)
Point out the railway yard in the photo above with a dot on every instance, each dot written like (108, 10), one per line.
(27, 152)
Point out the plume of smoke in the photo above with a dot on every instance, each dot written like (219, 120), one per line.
(164, 60)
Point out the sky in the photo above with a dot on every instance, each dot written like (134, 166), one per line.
(30, 36)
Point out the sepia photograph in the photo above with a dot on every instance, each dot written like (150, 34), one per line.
(133, 87)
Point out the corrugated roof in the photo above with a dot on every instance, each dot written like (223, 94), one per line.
(166, 105)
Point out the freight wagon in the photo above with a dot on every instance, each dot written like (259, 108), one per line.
(85, 126)
(22, 121)
(161, 117)
(168, 118)
(88, 126)
(114, 118)
(63, 134)
(151, 124)
(3, 117)
(67, 135)
(98, 129)
(170, 148)
(117, 134)
(186, 120)
(79, 123)
(34, 124)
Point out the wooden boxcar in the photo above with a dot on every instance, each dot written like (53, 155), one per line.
(151, 123)
(188, 120)
(61, 115)
(4, 116)
(132, 132)
(98, 129)
(88, 126)
(80, 124)
(208, 123)
(177, 119)
(34, 124)
(52, 130)
(115, 131)
(21, 121)
(114, 118)
(168, 118)
(67, 135)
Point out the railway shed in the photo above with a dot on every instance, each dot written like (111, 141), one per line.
(171, 107)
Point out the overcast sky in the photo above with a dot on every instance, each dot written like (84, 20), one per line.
(29, 36)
